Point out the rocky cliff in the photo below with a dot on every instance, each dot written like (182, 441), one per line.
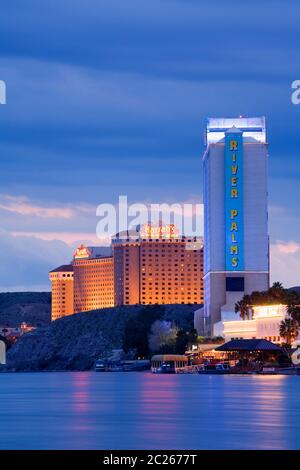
(77, 341)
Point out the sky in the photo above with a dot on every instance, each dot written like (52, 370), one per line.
(109, 98)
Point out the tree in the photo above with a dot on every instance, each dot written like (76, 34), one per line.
(273, 296)
(185, 340)
(192, 337)
(181, 344)
(244, 307)
(276, 294)
(289, 330)
(138, 327)
(162, 336)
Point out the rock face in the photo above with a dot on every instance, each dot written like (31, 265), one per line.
(77, 341)
(33, 308)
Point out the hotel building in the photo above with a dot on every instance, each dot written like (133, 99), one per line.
(62, 280)
(151, 266)
(236, 242)
(93, 280)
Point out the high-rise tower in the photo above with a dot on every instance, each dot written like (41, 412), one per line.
(236, 242)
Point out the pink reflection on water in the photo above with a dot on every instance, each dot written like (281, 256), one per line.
(159, 402)
(265, 409)
(80, 397)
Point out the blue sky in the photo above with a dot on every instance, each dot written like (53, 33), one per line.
(110, 97)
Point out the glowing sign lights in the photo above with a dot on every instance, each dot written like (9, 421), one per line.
(82, 252)
(161, 231)
(234, 224)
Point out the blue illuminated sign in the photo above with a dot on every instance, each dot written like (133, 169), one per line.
(234, 220)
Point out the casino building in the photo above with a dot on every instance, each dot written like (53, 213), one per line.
(62, 282)
(93, 279)
(157, 268)
(153, 265)
(236, 241)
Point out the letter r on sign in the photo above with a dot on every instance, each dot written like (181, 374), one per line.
(233, 145)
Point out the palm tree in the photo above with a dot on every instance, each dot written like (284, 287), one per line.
(244, 307)
(274, 295)
(290, 327)
(289, 330)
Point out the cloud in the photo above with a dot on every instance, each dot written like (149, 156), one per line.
(26, 261)
(285, 263)
(113, 99)
(70, 238)
(21, 205)
(288, 248)
(21, 214)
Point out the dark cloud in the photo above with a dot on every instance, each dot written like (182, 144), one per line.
(26, 261)
(110, 97)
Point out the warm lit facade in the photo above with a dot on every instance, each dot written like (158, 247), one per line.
(265, 324)
(62, 281)
(162, 270)
(126, 253)
(93, 280)
(141, 270)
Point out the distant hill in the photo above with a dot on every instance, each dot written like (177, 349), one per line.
(75, 342)
(33, 308)
(296, 288)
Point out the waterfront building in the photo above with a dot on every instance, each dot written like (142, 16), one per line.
(126, 254)
(264, 324)
(93, 279)
(236, 242)
(153, 265)
(62, 283)
(157, 266)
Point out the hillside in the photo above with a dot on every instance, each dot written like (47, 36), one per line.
(296, 288)
(76, 341)
(33, 308)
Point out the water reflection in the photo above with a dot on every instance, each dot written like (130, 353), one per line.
(137, 410)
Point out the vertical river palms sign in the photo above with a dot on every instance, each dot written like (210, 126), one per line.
(234, 223)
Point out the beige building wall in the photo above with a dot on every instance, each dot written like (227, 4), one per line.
(62, 282)
(127, 273)
(170, 273)
(93, 283)
(158, 271)
(264, 325)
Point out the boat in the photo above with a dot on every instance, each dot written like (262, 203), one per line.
(100, 366)
(136, 366)
(168, 363)
(217, 369)
(122, 366)
(280, 371)
(166, 369)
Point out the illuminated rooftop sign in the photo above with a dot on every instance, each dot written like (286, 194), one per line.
(161, 231)
(252, 128)
(82, 252)
(269, 311)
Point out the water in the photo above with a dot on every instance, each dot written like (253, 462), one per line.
(91, 410)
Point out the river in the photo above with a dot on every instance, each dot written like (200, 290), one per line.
(88, 410)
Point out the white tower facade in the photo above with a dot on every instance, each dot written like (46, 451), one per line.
(236, 240)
